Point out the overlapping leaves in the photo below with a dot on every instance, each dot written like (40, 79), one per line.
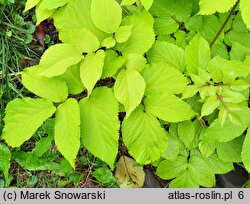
(172, 83)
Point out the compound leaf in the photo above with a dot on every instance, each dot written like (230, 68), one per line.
(100, 124)
(129, 89)
(145, 139)
(23, 117)
(67, 129)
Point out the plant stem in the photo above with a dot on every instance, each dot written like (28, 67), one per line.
(224, 24)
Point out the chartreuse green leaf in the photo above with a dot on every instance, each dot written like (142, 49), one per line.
(162, 77)
(180, 10)
(128, 174)
(230, 151)
(42, 14)
(201, 172)
(239, 51)
(245, 154)
(208, 7)
(222, 116)
(210, 105)
(197, 54)
(91, 69)
(173, 147)
(128, 2)
(129, 89)
(165, 26)
(219, 166)
(233, 97)
(142, 34)
(147, 3)
(106, 15)
(122, 34)
(81, 38)
(112, 63)
(108, 42)
(235, 119)
(67, 129)
(168, 107)
(218, 133)
(100, 124)
(48, 4)
(189, 174)
(23, 117)
(30, 4)
(189, 91)
(5, 156)
(144, 137)
(186, 132)
(245, 10)
(54, 88)
(223, 70)
(135, 61)
(57, 59)
(169, 169)
(207, 148)
(184, 180)
(239, 85)
(73, 80)
(81, 18)
(168, 53)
